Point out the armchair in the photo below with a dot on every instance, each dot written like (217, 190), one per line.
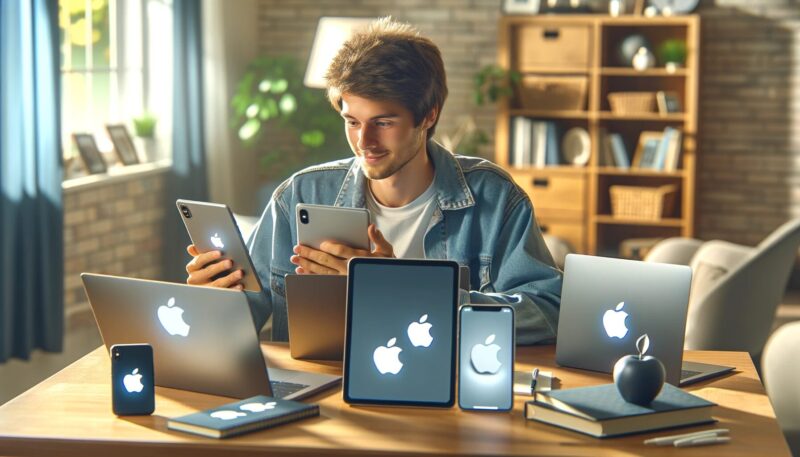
(781, 378)
(735, 289)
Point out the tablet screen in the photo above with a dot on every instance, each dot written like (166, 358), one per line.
(401, 331)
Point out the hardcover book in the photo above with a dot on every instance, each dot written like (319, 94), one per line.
(600, 411)
(244, 416)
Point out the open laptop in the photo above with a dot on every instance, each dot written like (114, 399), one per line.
(606, 304)
(316, 308)
(203, 338)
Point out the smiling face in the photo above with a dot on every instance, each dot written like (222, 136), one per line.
(383, 136)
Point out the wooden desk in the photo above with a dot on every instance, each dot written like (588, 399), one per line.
(70, 414)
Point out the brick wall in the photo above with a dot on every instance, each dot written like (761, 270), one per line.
(112, 227)
(464, 30)
(749, 151)
(749, 154)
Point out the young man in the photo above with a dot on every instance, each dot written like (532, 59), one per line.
(389, 85)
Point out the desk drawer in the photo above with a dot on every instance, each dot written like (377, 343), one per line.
(563, 194)
(548, 46)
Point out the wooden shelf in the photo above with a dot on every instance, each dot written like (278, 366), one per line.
(612, 171)
(548, 114)
(573, 203)
(613, 220)
(651, 72)
(556, 71)
(560, 169)
(672, 117)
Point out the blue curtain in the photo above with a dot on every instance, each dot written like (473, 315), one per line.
(31, 218)
(188, 179)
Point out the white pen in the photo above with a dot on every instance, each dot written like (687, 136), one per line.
(686, 442)
(669, 440)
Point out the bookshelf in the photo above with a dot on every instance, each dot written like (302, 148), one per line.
(573, 202)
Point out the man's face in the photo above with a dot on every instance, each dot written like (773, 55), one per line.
(382, 135)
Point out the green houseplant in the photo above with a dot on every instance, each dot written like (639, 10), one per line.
(490, 84)
(271, 96)
(672, 51)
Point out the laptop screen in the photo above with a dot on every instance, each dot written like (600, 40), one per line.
(401, 322)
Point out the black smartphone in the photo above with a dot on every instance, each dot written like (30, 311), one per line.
(132, 379)
(486, 358)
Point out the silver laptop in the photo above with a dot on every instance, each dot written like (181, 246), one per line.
(203, 338)
(606, 304)
(316, 309)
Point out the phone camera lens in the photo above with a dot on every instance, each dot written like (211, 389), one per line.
(185, 210)
(116, 355)
(304, 216)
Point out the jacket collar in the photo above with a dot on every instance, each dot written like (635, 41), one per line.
(449, 182)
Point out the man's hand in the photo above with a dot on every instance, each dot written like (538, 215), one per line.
(332, 258)
(204, 267)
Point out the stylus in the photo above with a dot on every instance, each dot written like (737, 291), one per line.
(534, 379)
(670, 440)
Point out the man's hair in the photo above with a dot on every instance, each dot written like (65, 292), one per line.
(390, 61)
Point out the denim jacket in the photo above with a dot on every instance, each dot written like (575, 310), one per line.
(482, 219)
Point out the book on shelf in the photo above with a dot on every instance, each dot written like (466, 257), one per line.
(606, 159)
(600, 411)
(243, 416)
(661, 151)
(673, 150)
(618, 151)
(533, 143)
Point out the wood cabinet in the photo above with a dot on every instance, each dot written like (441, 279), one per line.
(569, 65)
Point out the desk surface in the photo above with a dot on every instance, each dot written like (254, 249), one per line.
(70, 414)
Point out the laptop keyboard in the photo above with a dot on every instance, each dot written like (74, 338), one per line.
(281, 389)
(689, 373)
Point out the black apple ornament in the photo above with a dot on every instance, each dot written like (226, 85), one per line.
(640, 378)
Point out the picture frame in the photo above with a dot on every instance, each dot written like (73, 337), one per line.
(521, 6)
(646, 153)
(123, 144)
(90, 156)
(668, 102)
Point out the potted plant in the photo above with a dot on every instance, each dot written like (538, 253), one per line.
(144, 128)
(271, 93)
(672, 52)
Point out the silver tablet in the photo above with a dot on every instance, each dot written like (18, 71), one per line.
(211, 227)
(318, 223)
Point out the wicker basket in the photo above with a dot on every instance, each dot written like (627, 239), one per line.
(567, 93)
(647, 203)
(632, 102)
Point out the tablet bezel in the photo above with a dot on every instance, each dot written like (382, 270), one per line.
(349, 322)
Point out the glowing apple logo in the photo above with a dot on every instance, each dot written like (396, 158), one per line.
(420, 332)
(387, 358)
(227, 414)
(484, 356)
(217, 241)
(171, 318)
(133, 381)
(614, 322)
(258, 407)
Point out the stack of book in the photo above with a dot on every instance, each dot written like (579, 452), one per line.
(600, 411)
(533, 143)
(661, 153)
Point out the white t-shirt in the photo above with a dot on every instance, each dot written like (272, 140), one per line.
(404, 228)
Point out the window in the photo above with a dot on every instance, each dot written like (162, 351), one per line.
(116, 65)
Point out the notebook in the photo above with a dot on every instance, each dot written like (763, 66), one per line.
(244, 416)
(600, 411)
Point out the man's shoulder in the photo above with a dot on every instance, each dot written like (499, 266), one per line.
(326, 175)
(478, 168)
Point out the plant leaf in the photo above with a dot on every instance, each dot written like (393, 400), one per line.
(643, 344)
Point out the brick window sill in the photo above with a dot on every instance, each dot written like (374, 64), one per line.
(116, 174)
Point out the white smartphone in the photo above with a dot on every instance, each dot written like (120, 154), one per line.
(211, 227)
(486, 358)
(318, 223)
